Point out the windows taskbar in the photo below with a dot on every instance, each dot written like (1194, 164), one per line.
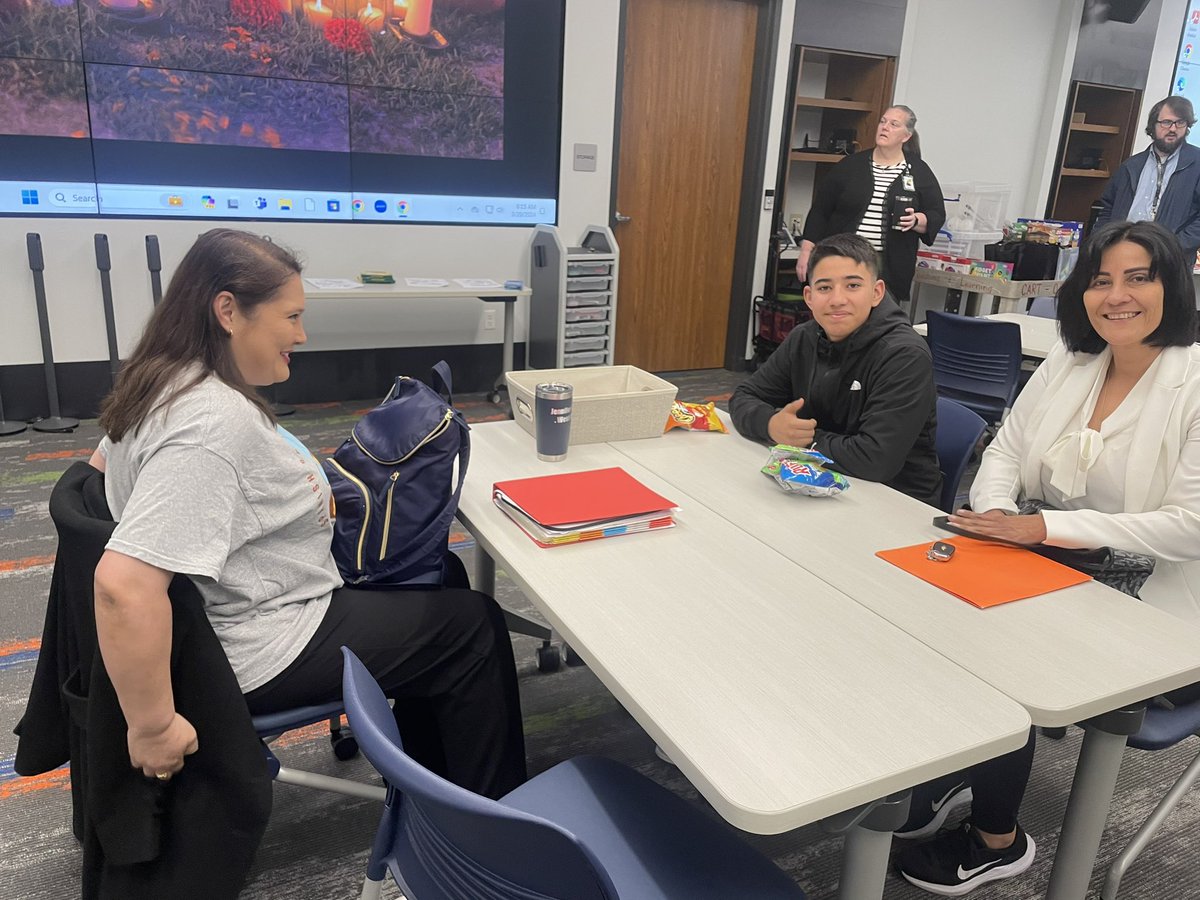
(48, 198)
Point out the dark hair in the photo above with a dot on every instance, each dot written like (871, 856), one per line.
(850, 246)
(1167, 265)
(183, 329)
(1182, 107)
(913, 145)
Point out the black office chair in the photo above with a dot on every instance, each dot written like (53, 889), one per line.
(976, 362)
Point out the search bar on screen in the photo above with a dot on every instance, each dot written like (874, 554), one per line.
(68, 199)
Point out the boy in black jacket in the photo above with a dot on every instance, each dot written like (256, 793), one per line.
(856, 382)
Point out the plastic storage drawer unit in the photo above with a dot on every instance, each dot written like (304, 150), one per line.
(588, 298)
(583, 329)
(575, 285)
(576, 269)
(596, 314)
(574, 345)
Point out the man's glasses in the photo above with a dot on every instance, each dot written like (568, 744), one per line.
(1171, 123)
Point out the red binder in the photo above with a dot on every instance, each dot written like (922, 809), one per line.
(582, 498)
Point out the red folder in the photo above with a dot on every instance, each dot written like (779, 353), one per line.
(574, 498)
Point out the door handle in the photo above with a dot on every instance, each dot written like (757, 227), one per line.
(620, 219)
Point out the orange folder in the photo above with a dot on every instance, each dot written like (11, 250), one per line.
(985, 573)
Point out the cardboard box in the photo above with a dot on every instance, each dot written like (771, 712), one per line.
(1000, 271)
(1053, 231)
(929, 260)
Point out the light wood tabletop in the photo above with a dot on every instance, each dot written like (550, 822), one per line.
(1064, 656)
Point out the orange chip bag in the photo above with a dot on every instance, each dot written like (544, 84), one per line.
(694, 417)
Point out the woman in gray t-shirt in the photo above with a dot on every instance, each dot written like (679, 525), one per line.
(203, 482)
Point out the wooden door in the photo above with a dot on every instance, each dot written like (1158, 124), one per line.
(684, 108)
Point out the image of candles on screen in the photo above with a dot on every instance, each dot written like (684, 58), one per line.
(373, 15)
(318, 13)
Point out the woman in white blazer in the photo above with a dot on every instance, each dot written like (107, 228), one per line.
(1107, 432)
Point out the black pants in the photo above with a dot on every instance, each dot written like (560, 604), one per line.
(997, 787)
(446, 659)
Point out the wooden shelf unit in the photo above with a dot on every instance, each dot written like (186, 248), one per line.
(832, 91)
(830, 103)
(1110, 122)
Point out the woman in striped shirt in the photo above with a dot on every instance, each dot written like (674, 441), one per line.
(860, 195)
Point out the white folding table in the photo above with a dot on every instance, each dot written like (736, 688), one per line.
(781, 699)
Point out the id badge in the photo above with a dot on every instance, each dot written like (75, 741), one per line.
(908, 183)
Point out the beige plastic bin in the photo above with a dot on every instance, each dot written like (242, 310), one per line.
(612, 403)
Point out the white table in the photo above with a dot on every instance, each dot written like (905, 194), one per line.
(450, 292)
(782, 700)
(1069, 656)
(1038, 334)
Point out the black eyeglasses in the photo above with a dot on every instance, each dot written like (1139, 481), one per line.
(1171, 123)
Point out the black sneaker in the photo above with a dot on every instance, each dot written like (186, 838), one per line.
(931, 806)
(959, 861)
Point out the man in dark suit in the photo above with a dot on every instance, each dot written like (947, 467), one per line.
(1162, 183)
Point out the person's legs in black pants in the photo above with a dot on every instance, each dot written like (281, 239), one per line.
(990, 847)
(445, 650)
(998, 786)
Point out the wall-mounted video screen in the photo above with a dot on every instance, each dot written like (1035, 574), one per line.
(1186, 79)
(374, 110)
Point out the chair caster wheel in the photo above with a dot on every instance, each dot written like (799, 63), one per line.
(494, 397)
(1055, 734)
(571, 658)
(548, 659)
(345, 747)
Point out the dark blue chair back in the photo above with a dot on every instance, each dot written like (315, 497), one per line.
(975, 361)
(442, 842)
(958, 431)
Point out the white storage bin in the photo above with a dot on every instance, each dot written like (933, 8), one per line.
(964, 243)
(580, 329)
(587, 314)
(575, 344)
(976, 206)
(586, 284)
(588, 298)
(575, 269)
(612, 403)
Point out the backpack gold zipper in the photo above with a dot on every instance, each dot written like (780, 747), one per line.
(362, 534)
(387, 517)
(441, 426)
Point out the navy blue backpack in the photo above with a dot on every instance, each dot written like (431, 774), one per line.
(396, 488)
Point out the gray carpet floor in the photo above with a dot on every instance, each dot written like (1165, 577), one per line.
(316, 844)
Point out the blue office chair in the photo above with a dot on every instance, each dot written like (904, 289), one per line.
(1044, 307)
(958, 433)
(270, 726)
(588, 829)
(1163, 728)
(976, 362)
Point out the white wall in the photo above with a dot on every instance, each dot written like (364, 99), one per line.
(1162, 66)
(988, 82)
(77, 322)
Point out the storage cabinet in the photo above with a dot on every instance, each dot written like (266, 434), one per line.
(1097, 136)
(838, 97)
(573, 306)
